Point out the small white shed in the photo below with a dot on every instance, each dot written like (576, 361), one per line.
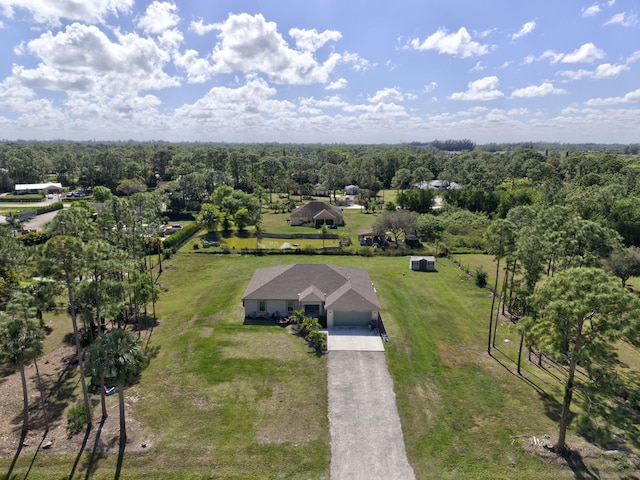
(423, 264)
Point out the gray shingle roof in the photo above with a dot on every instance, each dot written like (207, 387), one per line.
(345, 288)
(313, 209)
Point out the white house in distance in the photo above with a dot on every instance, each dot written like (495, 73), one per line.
(38, 187)
(345, 295)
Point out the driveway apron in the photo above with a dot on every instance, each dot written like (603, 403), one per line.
(366, 436)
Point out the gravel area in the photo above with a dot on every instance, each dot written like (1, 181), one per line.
(366, 435)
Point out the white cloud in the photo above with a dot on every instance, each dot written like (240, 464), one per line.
(359, 64)
(478, 67)
(337, 85)
(631, 97)
(198, 69)
(526, 29)
(380, 111)
(484, 33)
(605, 70)
(251, 44)
(387, 95)
(14, 95)
(624, 19)
(52, 11)
(242, 105)
(328, 102)
(159, 17)
(311, 40)
(82, 58)
(200, 28)
(587, 53)
(484, 89)
(552, 56)
(458, 44)
(591, 11)
(431, 86)
(541, 90)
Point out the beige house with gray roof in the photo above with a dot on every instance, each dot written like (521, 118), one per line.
(317, 213)
(344, 295)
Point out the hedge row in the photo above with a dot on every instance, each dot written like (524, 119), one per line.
(176, 239)
(30, 198)
(49, 208)
(362, 252)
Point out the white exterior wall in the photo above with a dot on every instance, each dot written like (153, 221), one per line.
(273, 306)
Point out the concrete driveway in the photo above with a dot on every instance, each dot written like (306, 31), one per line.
(366, 436)
(353, 339)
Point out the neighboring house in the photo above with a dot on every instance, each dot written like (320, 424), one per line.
(317, 213)
(440, 185)
(344, 295)
(38, 187)
(423, 264)
(351, 190)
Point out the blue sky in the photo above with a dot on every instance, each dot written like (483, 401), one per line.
(320, 71)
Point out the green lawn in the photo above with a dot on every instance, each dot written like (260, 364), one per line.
(226, 400)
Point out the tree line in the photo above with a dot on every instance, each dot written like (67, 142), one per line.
(100, 263)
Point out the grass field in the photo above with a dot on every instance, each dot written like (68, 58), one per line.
(223, 399)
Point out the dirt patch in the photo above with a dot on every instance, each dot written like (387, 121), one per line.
(206, 332)
(583, 456)
(59, 377)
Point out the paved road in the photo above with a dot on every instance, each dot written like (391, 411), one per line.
(366, 436)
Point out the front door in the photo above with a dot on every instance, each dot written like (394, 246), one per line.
(312, 310)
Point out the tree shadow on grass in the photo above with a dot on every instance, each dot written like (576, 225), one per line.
(580, 470)
(23, 436)
(82, 447)
(91, 461)
(35, 454)
(120, 459)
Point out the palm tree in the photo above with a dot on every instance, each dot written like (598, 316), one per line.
(259, 229)
(20, 343)
(64, 259)
(117, 355)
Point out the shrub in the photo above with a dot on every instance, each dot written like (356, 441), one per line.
(176, 239)
(34, 238)
(24, 198)
(49, 208)
(481, 277)
(77, 419)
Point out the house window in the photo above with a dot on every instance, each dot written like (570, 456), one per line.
(262, 306)
(289, 306)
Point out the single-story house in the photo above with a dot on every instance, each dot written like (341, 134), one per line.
(38, 187)
(423, 264)
(440, 185)
(344, 295)
(317, 213)
(351, 190)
